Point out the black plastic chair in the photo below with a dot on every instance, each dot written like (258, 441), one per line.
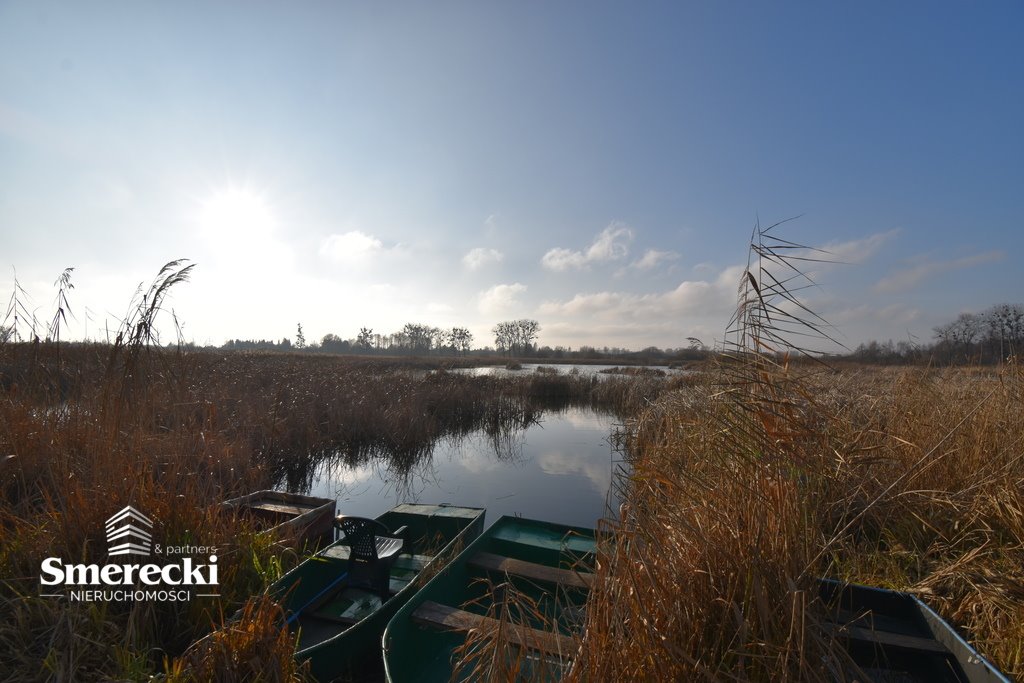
(373, 549)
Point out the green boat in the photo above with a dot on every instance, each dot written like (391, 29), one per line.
(527, 577)
(341, 599)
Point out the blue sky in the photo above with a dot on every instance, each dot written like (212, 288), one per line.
(595, 166)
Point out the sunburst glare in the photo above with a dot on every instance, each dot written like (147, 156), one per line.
(236, 215)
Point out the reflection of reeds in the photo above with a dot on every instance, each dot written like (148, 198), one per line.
(505, 425)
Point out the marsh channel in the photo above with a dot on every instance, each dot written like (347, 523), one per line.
(558, 465)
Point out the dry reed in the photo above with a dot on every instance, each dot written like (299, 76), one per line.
(751, 482)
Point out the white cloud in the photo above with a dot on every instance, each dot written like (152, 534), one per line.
(500, 298)
(853, 251)
(607, 246)
(611, 244)
(577, 462)
(652, 258)
(914, 275)
(477, 258)
(350, 247)
(563, 259)
(715, 297)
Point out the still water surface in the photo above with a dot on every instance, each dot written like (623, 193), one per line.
(559, 470)
(561, 369)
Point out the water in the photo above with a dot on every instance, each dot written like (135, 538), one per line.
(559, 470)
(561, 368)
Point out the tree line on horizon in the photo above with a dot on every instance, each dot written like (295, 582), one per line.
(512, 339)
(991, 336)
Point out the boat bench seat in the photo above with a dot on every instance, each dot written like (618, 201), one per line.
(334, 618)
(283, 508)
(886, 638)
(532, 570)
(442, 616)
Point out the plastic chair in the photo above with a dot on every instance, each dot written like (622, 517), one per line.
(373, 549)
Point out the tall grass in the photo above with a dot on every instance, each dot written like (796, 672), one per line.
(704, 574)
(255, 646)
(747, 485)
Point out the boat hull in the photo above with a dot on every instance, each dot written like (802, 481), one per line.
(290, 518)
(893, 635)
(442, 529)
(538, 559)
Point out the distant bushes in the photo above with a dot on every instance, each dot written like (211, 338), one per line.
(639, 371)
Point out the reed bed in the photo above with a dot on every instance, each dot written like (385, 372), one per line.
(700, 578)
(640, 371)
(761, 475)
(910, 479)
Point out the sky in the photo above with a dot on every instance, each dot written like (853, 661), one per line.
(595, 166)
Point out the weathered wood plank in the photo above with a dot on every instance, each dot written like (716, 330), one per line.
(282, 508)
(887, 638)
(531, 570)
(442, 616)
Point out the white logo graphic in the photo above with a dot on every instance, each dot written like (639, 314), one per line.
(173, 577)
(124, 537)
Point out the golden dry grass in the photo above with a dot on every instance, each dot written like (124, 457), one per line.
(902, 478)
(253, 648)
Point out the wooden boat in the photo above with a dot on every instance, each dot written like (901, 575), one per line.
(893, 636)
(543, 561)
(291, 518)
(341, 599)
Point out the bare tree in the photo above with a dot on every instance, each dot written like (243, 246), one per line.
(1006, 327)
(364, 340)
(526, 334)
(516, 336)
(503, 337)
(960, 333)
(460, 339)
(419, 338)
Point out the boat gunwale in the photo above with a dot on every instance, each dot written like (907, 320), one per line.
(965, 654)
(408, 608)
(309, 651)
(321, 509)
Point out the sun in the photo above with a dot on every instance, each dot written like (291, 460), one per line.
(236, 215)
